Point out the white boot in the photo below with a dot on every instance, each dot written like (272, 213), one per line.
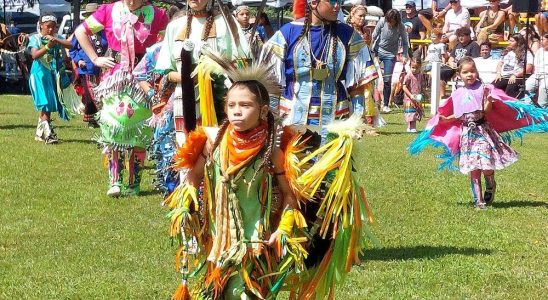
(42, 130)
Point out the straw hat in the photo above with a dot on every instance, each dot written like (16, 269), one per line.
(90, 8)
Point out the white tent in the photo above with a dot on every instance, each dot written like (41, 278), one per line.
(37, 7)
(422, 4)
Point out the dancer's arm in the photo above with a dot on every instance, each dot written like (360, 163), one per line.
(196, 174)
(288, 198)
(85, 43)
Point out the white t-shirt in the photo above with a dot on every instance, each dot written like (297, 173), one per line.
(511, 65)
(541, 62)
(435, 52)
(487, 68)
(457, 20)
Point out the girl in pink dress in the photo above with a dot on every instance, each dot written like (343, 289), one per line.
(130, 27)
(412, 84)
(482, 149)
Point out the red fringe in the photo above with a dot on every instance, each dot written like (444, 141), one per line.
(188, 154)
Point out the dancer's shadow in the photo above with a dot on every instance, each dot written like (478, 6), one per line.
(149, 192)
(519, 203)
(24, 126)
(79, 141)
(381, 133)
(17, 126)
(420, 252)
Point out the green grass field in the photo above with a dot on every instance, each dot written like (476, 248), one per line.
(61, 237)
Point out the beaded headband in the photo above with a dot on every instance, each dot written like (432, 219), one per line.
(48, 18)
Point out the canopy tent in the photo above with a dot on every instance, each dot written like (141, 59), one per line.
(422, 4)
(27, 12)
(12, 7)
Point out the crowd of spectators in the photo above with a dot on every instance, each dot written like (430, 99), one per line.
(507, 48)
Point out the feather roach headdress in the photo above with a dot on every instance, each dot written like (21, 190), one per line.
(259, 70)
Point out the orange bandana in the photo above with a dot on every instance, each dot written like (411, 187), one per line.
(239, 148)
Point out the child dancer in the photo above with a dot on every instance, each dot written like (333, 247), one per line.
(234, 232)
(130, 27)
(469, 123)
(412, 84)
(47, 77)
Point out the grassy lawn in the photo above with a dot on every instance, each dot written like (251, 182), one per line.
(61, 237)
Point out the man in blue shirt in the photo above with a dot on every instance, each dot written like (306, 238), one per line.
(13, 29)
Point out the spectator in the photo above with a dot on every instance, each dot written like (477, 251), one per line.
(264, 28)
(534, 38)
(485, 64)
(356, 18)
(539, 79)
(387, 36)
(437, 51)
(491, 24)
(541, 19)
(485, 50)
(511, 16)
(457, 17)
(416, 29)
(438, 10)
(13, 29)
(465, 47)
(241, 13)
(510, 70)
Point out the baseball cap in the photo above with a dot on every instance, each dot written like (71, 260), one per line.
(410, 3)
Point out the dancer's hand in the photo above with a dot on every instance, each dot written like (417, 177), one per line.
(174, 77)
(274, 237)
(104, 62)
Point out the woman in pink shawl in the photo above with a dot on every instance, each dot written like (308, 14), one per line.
(469, 126)
(130, 27)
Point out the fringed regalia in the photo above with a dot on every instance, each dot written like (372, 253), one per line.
(223, 226)
(88, 75)
(508, 119)
(124, 112)
(181, 51)
(318, 72)
(50, 86)
(162, 147)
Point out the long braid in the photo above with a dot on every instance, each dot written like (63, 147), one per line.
(307, 21)
(208, 26)
(219, 137)
(269, 147)
(188, 23)
(333, 33)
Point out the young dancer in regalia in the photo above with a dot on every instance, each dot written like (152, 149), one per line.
(254, 218)
(130, 27)
(49, 84)
(475, 126)
(325, 67)
(203, 27)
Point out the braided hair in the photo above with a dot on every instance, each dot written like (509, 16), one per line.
(307, 21)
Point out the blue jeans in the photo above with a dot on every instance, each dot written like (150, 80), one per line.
(388, 62)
